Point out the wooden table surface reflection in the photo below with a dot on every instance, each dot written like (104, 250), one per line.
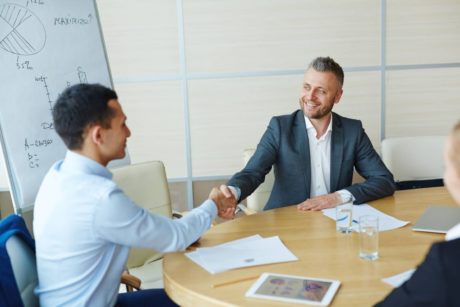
(322, 253)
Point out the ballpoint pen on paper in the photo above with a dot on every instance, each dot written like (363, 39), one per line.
(343, 218)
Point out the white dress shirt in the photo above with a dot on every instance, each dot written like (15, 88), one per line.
(320, 159)
(320, 162)
(84, 226)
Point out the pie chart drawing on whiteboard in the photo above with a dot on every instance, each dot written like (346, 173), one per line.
(21, 31)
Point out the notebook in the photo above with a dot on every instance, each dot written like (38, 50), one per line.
(438, 219)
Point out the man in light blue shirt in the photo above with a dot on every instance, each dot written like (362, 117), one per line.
(84, 224)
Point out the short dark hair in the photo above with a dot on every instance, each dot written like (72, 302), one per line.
(81, 106)
(327, 64)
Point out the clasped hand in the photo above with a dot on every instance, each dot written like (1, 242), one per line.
(224, 200)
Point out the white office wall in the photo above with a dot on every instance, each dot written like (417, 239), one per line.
(200, 79)
(423, 31)
(424, 34)
(260, 35)
(156, 118)
(141, 37)
(422, 102)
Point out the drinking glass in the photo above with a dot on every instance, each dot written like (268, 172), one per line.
(369, 237)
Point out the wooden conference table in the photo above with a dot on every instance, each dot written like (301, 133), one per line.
(322, 253)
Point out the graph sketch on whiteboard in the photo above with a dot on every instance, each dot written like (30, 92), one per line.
(21, 31)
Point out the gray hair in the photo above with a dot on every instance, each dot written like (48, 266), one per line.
(327, 64)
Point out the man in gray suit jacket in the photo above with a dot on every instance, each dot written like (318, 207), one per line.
(314, 151)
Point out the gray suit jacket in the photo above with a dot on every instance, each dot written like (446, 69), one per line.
(285, 146)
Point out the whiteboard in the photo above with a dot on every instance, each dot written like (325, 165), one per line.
(45, 46)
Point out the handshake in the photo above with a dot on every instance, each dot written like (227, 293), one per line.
(224, 200)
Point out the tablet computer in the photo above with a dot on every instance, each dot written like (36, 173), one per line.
(294, 289)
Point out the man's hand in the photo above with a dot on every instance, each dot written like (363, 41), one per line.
(224, 200)
(321, 202)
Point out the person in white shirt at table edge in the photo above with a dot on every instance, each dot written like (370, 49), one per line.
(314, 151)
(436, 280)
(84, 225)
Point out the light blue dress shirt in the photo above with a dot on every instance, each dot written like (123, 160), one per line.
(84, 226)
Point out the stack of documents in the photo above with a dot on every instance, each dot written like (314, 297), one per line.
(249, 251)
(386, 222)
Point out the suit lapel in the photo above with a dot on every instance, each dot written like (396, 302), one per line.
(303, 148)
(337, 142)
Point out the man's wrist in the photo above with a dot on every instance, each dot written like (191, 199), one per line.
(345, 196)
(234, 191)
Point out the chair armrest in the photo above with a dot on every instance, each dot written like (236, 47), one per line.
(131, 281)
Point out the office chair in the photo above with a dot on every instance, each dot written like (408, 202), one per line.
(146, 184)
(18, 270)
(416, 162)
(259, 198)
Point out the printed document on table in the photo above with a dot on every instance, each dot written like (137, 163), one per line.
(195, 255)
(234, 242)
(386, 222)
(245, 252)
(398, 279)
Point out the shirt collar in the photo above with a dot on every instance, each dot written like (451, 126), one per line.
(309, 125)
(75, 162)
(453, 233)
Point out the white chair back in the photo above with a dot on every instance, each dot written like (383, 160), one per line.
(259, 198)
(147, 185)
(414, 158)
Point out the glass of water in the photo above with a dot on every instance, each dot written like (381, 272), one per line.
(369, 237)
(344, 217)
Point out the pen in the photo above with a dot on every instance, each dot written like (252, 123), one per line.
(343, 218)
(230, 282)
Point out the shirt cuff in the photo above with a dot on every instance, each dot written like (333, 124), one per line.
(346, 196)
(236, 192)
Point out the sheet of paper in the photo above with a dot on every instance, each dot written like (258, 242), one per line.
(234, 242)
(386, 222)
(398, 279)
(242, 254)
(195, 255)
